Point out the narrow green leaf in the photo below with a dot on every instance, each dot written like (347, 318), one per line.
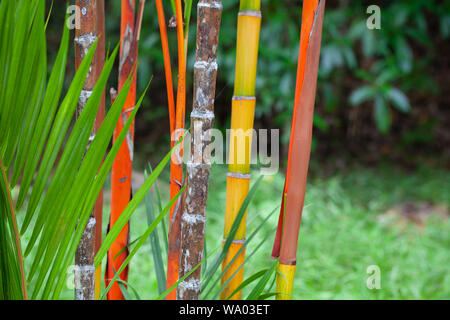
(259, 287)
(248, 281)
(155, 245)
(142, 240)
(234, 228)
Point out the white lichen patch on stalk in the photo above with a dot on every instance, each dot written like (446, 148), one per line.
(213, 4)
(84, 277)
(193, 218)
(84, 96)
(210, 65)
(85, 41)
(89, 230)
(192, 285)
(206, 114)
(126, 46)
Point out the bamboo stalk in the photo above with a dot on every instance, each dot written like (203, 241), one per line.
(176, 164)
(242, 114)
(167, 66)
(122, 166)
(198, 168)
(98, 209)
(286, 240)
(91, 21)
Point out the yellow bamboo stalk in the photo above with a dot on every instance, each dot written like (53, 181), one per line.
(242, 114)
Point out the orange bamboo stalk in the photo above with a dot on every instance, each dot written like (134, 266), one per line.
(167, 67)
(176, 164)
(122, 166)
(90, 29)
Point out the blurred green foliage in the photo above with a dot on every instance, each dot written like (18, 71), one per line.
(380, 71)
(384, 86)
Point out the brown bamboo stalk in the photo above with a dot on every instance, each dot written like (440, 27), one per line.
(198, 168)
(91, 20)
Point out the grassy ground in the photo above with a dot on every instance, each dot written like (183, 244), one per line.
(350, 222)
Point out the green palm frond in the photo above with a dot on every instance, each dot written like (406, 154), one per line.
(46, 173)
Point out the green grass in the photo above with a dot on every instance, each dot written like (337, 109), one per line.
(340, 236)
(342, 233)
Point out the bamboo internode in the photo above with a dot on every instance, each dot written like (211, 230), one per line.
(122, 166)
(198, 168)
(167, 65)
(242, 115)
(91, 29)
(285, 247)
(176, 164)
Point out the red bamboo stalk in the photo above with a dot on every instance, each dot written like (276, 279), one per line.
(307, 23)
(286, 241)
(98, 209)
(167, 66)
(176, 164)
(122, 166)
(91, 21)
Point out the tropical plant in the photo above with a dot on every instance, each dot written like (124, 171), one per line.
(122, 166)
(242, 114)
(91, 28)
(193, 203)
(285, 247)
(37, 148)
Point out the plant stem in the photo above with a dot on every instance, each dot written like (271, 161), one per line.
(4, 177)
(86, 35)
(242, 114)
(176, 164)
(122, 166)
(187, 20)
(286, 240)
(167, 65)
(98, 209)
(198, 168)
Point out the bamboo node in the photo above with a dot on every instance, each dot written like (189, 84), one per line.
(238, 175)
(192, 165)
(198, 114)
(212, 4)
(243, 98)
(192, 284)
(208, 65)
(250, 13)
(127, 111)
(193, 218)
(236, 241)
